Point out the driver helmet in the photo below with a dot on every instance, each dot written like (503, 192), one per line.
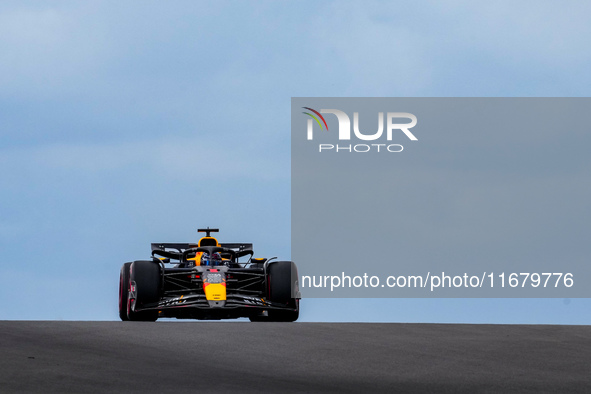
(211, 259)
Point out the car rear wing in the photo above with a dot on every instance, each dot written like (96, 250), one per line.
(179, 251)
(180, 247)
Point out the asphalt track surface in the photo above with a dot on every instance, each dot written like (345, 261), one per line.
(38, 356)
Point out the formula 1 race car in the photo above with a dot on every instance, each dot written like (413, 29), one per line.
(208, 281)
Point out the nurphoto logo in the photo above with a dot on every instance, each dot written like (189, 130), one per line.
(392, 125)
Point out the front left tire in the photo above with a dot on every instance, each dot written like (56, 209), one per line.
(282, 279)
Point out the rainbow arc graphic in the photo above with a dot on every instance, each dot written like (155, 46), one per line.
(315, 118)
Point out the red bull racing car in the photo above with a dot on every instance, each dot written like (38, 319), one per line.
(208, 280)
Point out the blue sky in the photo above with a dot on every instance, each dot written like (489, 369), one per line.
(124, 123)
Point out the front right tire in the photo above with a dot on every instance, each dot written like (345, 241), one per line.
(124, 291)
(147, 279)
(139, 286)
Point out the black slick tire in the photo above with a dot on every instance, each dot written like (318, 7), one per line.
(124, 291)
(282, 280)
(146, 277)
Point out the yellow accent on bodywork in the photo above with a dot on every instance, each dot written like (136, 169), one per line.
(215, 291)
(196, 259)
